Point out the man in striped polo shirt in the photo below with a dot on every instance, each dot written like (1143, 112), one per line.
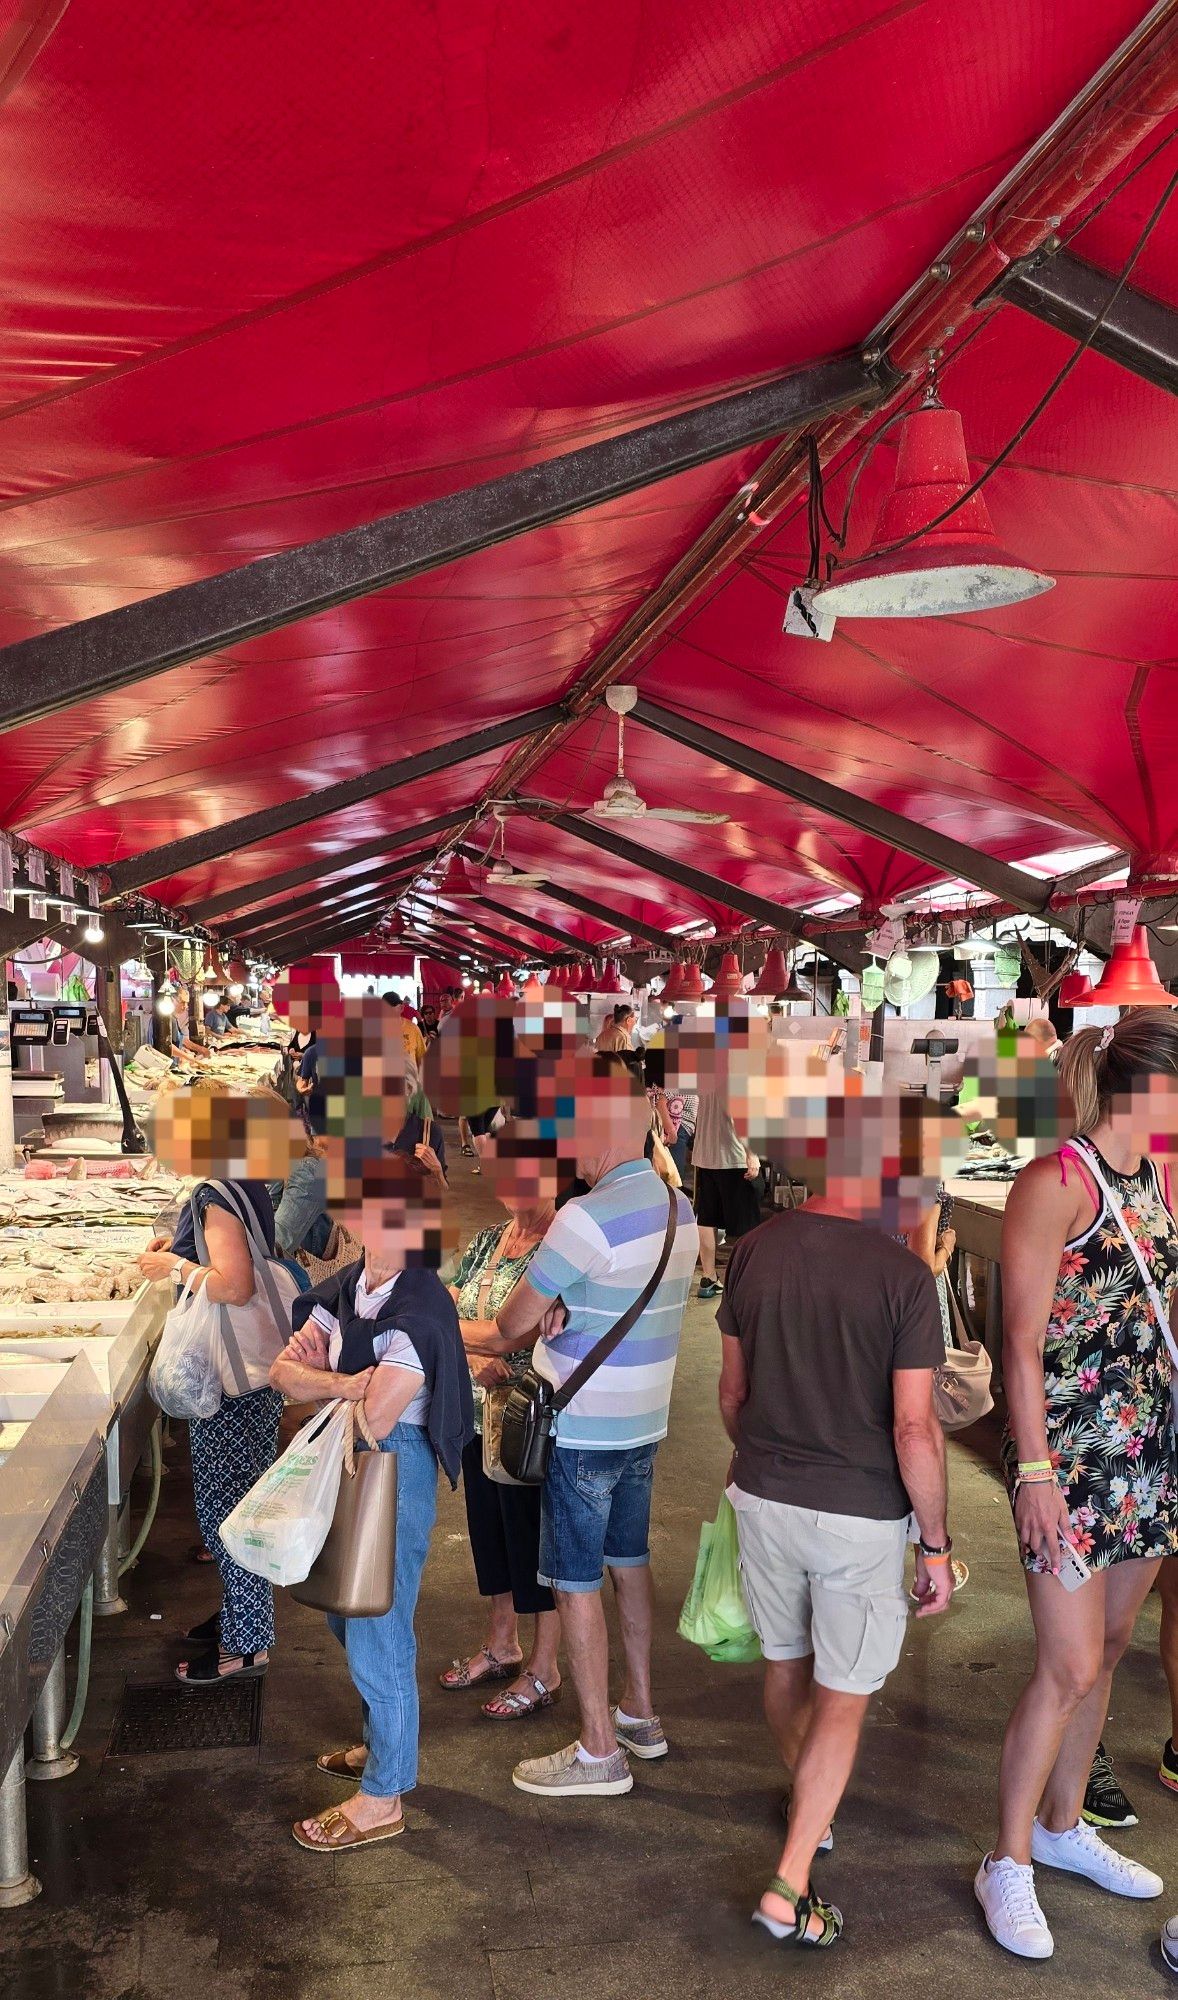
(599, 1253)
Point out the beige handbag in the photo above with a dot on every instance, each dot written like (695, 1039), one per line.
(352, 1575)
(961, 1385)
(340, 1250)
(661, 1159)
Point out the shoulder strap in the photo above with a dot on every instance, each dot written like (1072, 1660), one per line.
(241, 1208)
(603, 1348)
(1113, 1204)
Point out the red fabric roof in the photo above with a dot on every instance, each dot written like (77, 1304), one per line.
(270, 272)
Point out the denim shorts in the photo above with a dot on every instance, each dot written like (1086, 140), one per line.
(594, 1511)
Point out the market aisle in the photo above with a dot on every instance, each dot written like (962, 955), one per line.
(176, 1874)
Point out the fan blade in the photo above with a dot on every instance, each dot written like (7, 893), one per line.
(686, 815)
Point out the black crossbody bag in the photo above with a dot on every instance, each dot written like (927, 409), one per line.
(533, 1405)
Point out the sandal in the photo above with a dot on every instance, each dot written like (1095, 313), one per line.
(341, 1833)
(335, 1763)
(807, 1906)
(458, 1674)
(199, 1554)
(514, 1705)
(204, 1669)
(207, 1633)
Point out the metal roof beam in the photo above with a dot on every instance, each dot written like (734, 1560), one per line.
(177, 855)
(1138, 333)
(381, 847)
(269, 943)
(713, 888)
(40, 676)
(625, 926)
(328, 901)
(519, 946)
(1009, 884)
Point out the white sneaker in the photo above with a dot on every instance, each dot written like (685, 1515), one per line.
(1006, 1891)
(1081, 1851)
(1170, 1944)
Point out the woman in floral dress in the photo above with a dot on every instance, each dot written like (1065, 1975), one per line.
(1090, 1453)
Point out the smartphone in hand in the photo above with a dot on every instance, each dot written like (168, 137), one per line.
(1073, 1570)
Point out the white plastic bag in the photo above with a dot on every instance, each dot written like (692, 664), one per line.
(280, 1525)
(186, 1374)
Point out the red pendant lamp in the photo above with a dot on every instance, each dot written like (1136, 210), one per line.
(693, 982)
(456, 881)
(532, 989)
(729, 981)
(394, 925)
(1129, 978)
(673, 983)
(505, 990)
(774, 976)
(1075, 990)
(609, 984)
(956, 566)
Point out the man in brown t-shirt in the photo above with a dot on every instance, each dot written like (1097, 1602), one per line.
(832, 1330)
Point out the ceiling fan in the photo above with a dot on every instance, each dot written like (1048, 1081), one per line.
(498, 868)
(621, 799)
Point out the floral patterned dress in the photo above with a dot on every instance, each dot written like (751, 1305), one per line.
(482, 1299)
(1107, 1374)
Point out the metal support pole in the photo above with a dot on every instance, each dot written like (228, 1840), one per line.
(49, 1760)
(17, 1886)
(108, 1599)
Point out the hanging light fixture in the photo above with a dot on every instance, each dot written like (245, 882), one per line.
(672, 983)
(532, 988)
(579, 978)
(94, 933)
(456, 881)
(729, 981)
(1129, 978)
(505, 990)
(608, 983)
(1075, 990)
(945, 566)
(693, 982)
(774, 978)
(394, 925)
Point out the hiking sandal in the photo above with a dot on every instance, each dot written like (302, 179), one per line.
(204, 1669)
(514, 1705)
(805, 1907)
(458, 1674)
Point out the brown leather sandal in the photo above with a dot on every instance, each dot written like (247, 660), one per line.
(514, 1705)
(335, 1763)
(340, 1832)
(458, 1674)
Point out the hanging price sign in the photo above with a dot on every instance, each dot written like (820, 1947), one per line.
(1125, 911)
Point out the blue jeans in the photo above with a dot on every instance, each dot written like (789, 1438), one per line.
(594, 1511)
(382, 1652)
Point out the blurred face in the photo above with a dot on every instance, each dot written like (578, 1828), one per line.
(226, 1137)
(1147, 1116)
(522, 1168)
(399, 1216)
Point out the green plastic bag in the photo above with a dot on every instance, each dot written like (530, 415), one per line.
(715, 1615)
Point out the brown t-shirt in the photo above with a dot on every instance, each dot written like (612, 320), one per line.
(825, 1309)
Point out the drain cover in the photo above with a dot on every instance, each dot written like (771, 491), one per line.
(164, 1716)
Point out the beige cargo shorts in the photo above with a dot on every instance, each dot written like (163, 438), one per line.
(827, 1584)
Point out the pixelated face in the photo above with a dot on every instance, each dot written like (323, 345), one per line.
(398, 1212)
(522, 1168)
(717, 1049)
(1148, 1116)
(1015, 1091)
(224, 1137)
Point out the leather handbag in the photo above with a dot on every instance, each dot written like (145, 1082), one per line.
(353, 1573)
(961, 1385)
(532, 1405)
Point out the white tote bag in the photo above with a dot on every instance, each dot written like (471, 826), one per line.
(187, 1370)
(253, 1335)
(278, 1528)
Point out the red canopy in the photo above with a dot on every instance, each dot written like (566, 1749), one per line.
(271, 274)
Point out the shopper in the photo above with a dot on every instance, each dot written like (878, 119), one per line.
(1089, 1454)
(233, 1448)
(832, 1332)
(726, 1170)
(504, 1521)
(599, 1253)
(616, 1035)
(385, 1333)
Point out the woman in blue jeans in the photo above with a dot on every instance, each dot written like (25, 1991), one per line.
(385, 1333)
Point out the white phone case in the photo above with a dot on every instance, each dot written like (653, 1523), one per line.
(1073, 1570)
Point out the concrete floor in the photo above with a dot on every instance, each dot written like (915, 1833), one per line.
(177, 1875)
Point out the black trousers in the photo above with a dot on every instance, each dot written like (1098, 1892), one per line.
(504, 1527)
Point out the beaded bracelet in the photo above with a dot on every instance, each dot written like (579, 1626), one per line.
(1035, 1479)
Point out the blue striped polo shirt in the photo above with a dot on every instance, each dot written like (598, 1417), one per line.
(599, 1253)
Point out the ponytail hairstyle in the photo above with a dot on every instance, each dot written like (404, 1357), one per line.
(1099, 1064)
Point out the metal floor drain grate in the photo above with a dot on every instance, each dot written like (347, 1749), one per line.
(164, 1717)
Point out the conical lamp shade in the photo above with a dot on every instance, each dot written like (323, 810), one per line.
(729, 981)
(609, 982)
(394, 924)
(673, 984)
(578, 978)
(774, 978)
(693, 982)
(456, 881)
(1129, 979)
(532, 988)
(1075, 990)
(958, 566)
(238, 971)
(505, 990)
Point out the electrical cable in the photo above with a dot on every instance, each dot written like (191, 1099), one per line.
(85, 1635)
(157, 1471)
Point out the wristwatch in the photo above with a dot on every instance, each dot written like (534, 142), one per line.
(926, 1549)
(176, 1274)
